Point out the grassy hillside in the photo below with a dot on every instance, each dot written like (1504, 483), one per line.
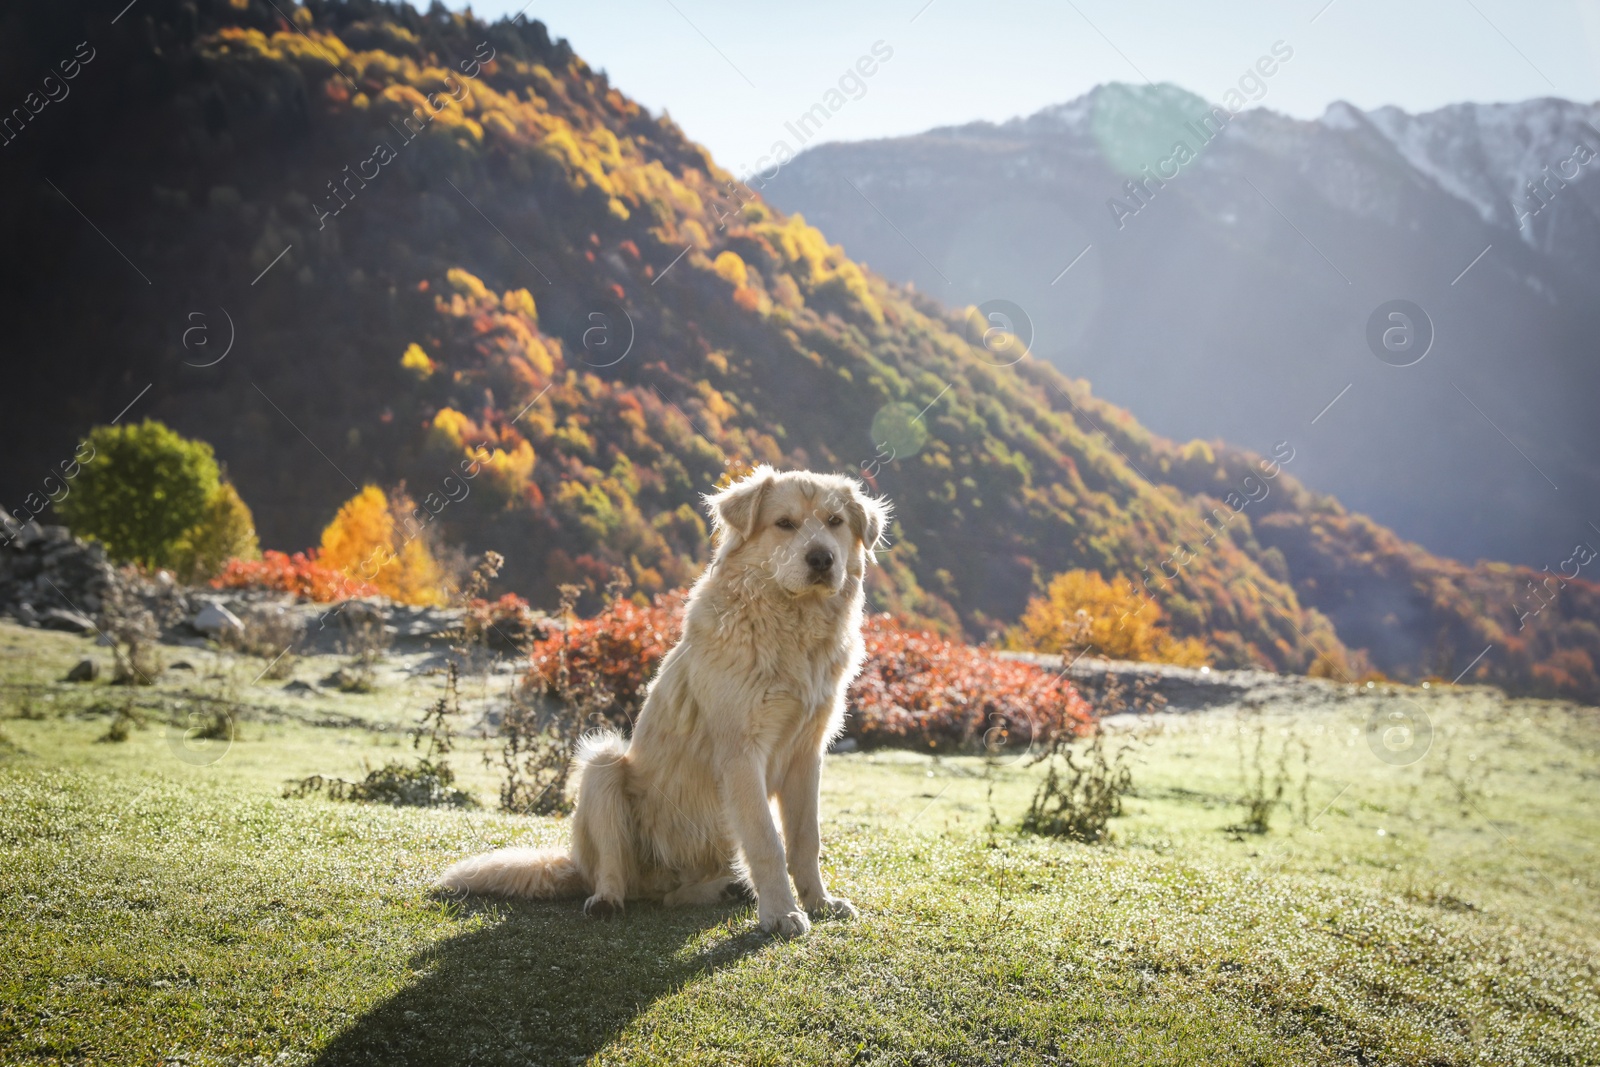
(163, 901)
(441, 247)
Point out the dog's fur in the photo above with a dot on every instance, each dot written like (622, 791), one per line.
(739, 714)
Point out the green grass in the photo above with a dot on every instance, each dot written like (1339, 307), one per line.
(158, 909)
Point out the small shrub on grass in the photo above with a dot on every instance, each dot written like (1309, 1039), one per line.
(365, 639)
(1081, 793)
(352, 678)
(206, 718)
(29, 711)
(424, 784)
(270, 633)
(537, 764)
(488, 627)
(506, 623)
(589, 675)
(428, 783)
(123, 721)
(1467, 786)
(1267, 779)
(133, 631)
(214, 723)
(213, 715)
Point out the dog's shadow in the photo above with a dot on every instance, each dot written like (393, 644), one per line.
(538, 983)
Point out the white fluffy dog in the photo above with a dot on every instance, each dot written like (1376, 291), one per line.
(739, 714)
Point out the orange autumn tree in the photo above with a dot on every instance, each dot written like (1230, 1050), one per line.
(371, 540)
(1082, 611)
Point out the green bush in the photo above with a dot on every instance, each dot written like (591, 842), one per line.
(155, 498)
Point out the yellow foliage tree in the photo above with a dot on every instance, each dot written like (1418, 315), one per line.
(731, 269)
(365, 541)
(451, 429)
(520, 300)
(1083, 612)
(227, 531)
(469, 285)
(417, 362)
(509, 472)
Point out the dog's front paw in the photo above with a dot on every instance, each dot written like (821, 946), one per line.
(598, 907)
(788, 924)
(833, 908)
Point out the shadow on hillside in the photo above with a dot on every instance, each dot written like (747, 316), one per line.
(539, 984)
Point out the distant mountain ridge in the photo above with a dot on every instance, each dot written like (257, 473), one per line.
(1510, 162)
(1231, 300)
(547, 315)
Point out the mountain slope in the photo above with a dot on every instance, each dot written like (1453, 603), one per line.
(1233, 298)
(450, 254)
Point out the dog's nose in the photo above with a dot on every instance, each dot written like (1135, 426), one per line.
(819, 559)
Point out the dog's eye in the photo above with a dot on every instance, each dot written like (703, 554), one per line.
(784, 524)
(834, 520)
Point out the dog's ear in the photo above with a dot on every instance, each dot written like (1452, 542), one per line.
(736, 509)
(869, 516)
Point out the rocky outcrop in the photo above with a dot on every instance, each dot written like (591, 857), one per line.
(50, 578)
(1183, 688)
(374, 622)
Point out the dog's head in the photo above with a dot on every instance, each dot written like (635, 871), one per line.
(808, 533)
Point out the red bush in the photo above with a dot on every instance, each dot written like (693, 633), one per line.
(504, 623)
(917, 689)
(617, 651)
(299, 574)
(921, 690)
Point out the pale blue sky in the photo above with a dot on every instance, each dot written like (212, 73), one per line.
(732, 73)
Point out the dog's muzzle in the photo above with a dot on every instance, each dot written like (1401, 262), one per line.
(820, 560)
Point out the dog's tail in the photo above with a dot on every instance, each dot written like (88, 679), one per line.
(547, 873)
(552, 873)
